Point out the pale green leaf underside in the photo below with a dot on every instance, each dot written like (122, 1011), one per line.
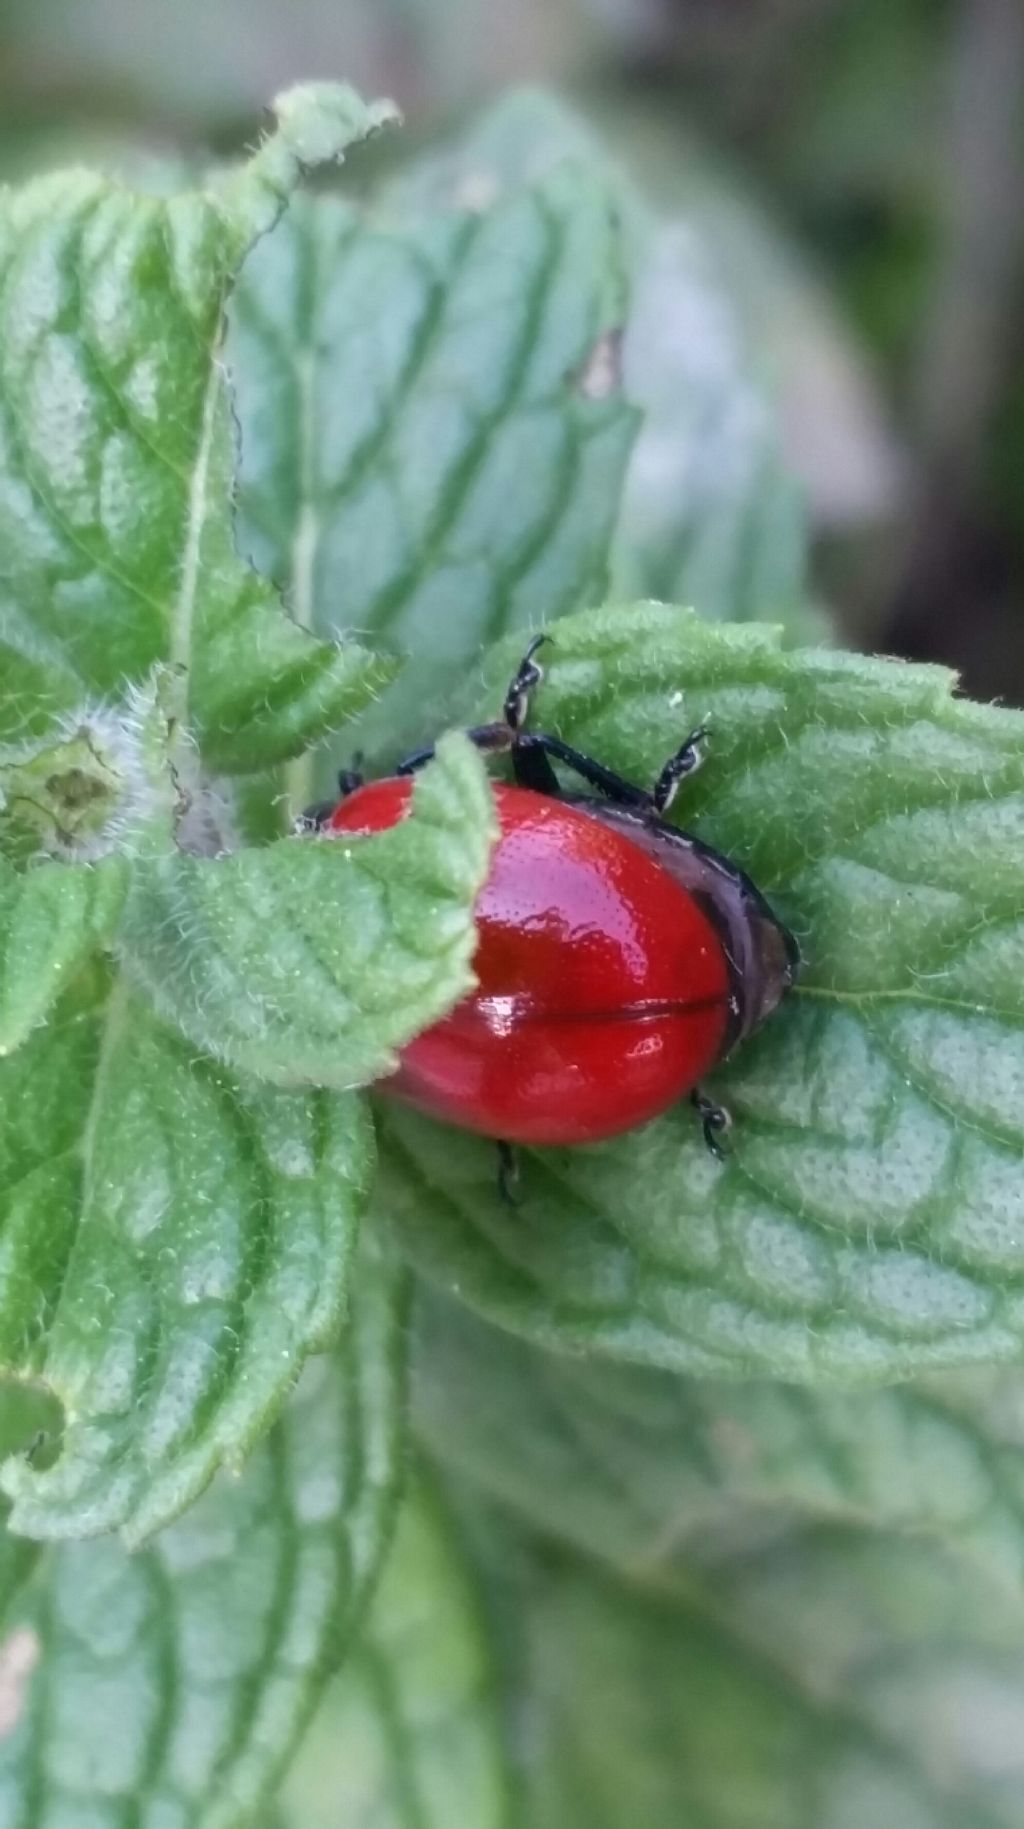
(869, 1220)
(833, 1678)
(315, 959)
(408, 1737)
(662, 1475)
(117, 453)
(426, 458)
(654, 1713)
(916, 1652)
(859, 1558)
(173, 1683)
(175, 1243)
(710, 515)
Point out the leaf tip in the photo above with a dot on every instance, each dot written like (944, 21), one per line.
(318, 121)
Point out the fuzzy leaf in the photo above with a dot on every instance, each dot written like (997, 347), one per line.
(59, 797)
(51, 920)
(176, 1242)
(444, 462)
(313, 960)
(30, 1421)
(169, 1686)
(117, 453)
(867, 1221)
(409, 1737)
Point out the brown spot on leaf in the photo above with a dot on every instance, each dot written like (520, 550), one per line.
(75, 789)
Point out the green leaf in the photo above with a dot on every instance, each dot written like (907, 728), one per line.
(117, 453)
(831, 1676)
(175, 1243)
(865, 1224)
(443, 462)
(313, 960)
(409, 1735)
(59, 796)
(30, 1421)
(177, 1239)
(658, 1474)
(709, 515)
(646, 1711)
(172, 1684)
(51, 920)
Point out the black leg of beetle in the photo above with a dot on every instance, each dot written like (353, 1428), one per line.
(614, 787)
(411, 765)
(714, 1120)
(501, 737)
(508, 1174)
(351, 778)
(686, 761)
(532, 750)
(491, 739)
(531, 768)
(529, 675)
(315, 818)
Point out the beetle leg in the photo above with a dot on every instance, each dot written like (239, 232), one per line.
(316, 817)
(687, 758)
(411, 765)
(508, 1174)
(532, 750)
(686, 761)
(714, 1119)
(492, 739)
(614, 787)
(530, 765)
(529, 675)
(501, 737)
(351, 778)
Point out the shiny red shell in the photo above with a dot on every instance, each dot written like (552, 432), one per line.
(603, 987)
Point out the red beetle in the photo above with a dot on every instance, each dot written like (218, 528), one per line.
(618, 959)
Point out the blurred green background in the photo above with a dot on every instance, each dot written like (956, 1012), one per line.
(853, 166)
